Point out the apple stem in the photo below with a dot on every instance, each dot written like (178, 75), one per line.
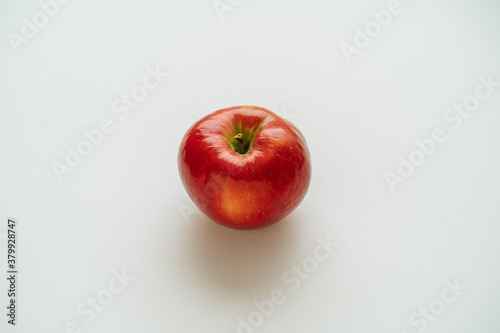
(239, 143)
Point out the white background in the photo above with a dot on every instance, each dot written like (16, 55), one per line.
(124, 206)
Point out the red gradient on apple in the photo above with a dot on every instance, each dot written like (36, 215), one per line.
(245, 167)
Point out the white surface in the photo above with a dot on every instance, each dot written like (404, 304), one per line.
(121, 208)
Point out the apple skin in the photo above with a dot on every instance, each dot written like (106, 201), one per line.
(245, 190)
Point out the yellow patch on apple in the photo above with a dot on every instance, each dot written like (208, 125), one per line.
(237, 203)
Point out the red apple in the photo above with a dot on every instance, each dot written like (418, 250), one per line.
(245, 167)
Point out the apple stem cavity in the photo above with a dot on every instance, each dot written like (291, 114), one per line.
(242, 137)
(240, 145)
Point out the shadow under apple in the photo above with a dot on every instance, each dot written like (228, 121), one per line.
(239, 262)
